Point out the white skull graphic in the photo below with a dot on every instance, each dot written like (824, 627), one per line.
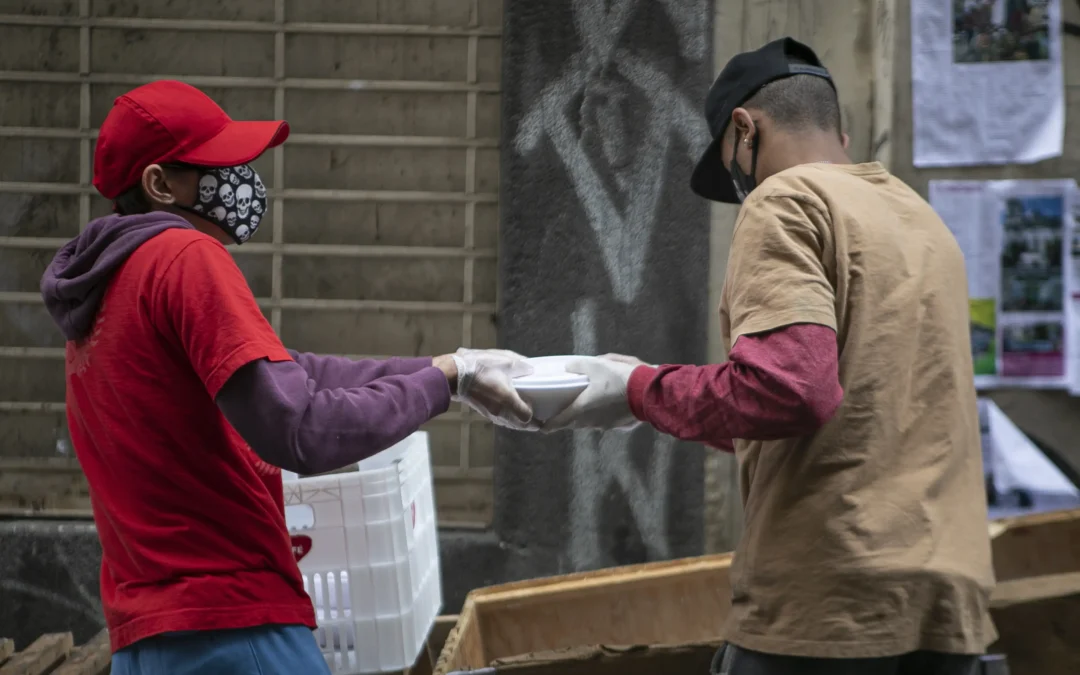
(242, 233)
(207, 188)
(244, 170)
(198, 207)
(257, 207)
(234, 179)
(243, 200)
(260, 189)
(223, 173)
(217, 213)
(227, 195)
(254, 222)
(231, 218)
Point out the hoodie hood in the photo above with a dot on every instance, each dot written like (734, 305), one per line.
(74, 284)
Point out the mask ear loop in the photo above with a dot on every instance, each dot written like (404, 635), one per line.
(753, 157)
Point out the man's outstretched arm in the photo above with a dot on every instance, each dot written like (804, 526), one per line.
(778, 384)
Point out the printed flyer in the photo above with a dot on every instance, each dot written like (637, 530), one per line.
(987, 81)
(1021, 277)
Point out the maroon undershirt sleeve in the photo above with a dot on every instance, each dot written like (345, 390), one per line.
(778, 384)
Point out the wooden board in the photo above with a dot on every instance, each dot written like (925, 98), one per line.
(1037, 560)
(93, 658)
(40, 657)
(670, 602)
(1038, 620)
(53, 654)
(40, 484)
(1036, 545)
(57, 488)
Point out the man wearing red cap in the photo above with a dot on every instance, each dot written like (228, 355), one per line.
(182, 402)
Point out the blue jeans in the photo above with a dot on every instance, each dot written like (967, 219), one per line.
(262, 650)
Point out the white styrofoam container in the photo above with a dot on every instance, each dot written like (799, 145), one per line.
(368, 550)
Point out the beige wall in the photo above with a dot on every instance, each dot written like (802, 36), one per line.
(1050, 417)
(866, 45)
(384, 221)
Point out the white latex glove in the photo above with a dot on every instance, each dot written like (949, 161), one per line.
(485, 385)
(603, 404)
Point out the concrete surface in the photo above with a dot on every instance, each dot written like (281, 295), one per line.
(603, 249)
(49, 575)
(49, 580)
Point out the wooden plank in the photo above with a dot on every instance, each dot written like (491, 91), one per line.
(47, 513)
(722, 514)
(1037, 545)
(463, 643)
(464, 502)
(883, 91)
(38, 483)
(92, 658)
(441, 631)
(1035, 589)
(41, 656)
(653, 603)
(1039, 637)
(57, 488)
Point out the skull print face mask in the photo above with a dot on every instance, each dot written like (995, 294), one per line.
(233, 198)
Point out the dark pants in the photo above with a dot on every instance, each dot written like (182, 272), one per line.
(732, 660)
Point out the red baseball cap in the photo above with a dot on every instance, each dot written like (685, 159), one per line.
(169, 121)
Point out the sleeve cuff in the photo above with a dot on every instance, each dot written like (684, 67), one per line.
(437, 389)
(635, 389)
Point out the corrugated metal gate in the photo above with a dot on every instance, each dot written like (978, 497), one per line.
(383, 203)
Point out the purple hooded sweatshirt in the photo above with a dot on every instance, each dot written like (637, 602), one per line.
(311, 415)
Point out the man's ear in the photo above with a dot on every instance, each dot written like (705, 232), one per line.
(744, 126)
(845, 140)
(156, 185)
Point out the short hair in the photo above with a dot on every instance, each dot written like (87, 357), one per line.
(799, 102)
(133, 201)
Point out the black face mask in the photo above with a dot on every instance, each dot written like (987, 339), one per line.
(744, 184)
(233, 198)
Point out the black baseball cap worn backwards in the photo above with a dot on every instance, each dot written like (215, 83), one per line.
(740, 79)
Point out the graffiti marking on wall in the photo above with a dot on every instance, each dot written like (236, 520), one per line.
(607, 76)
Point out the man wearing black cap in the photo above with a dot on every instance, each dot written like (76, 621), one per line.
(848, 389)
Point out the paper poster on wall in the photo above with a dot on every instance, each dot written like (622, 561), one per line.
(1024, 330)
(984, 335)
(987, 81)
(1073, 270)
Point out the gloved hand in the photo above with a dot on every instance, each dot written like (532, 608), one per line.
(603, 405)
(485, 385)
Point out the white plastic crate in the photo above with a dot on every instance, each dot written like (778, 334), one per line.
(367, 546)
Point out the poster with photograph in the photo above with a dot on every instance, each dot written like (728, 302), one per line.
(1073, 330)
(1020, 277)
(987, 81)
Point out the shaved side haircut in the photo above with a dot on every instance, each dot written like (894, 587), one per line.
(799, 102)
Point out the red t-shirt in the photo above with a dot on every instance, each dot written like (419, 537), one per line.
(191, 521)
